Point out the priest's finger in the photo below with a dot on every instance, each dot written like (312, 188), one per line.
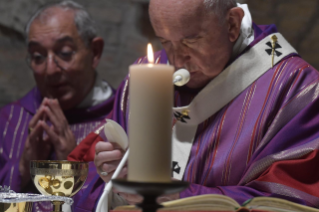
(123, 173)
(110, 166)
(115, 145)
(36, 133)
(55, 107)
(60, 124)
(106, 146)
(107, 156)
(131, 199)
(103, 146)
(39, 115)
(106, 178)
(52, 136)
(168, 197)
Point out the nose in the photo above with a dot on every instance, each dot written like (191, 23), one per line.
(51, 65)
(181, 56)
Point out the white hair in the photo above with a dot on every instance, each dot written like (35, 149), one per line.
(219, 7)
(82, 20)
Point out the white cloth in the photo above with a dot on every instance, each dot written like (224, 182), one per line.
(246, 32)
(220, 91)
(100, 92)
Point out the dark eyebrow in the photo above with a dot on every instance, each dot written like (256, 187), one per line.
(60, 40)
(191, 36)
(65, 39)
(194, 36)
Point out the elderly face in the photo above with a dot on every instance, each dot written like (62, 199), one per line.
(61, 62)
(192, 38)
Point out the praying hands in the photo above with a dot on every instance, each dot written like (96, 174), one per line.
(48, 130)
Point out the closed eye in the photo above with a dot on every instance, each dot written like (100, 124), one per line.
(37, 58)
(163, 42)
(191, 40)
(65, 55)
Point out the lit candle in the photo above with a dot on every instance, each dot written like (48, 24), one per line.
(150, 121)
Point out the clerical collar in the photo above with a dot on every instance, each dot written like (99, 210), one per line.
(100, 92)
(246, 32)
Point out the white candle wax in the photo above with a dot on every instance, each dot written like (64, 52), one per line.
(150, 122)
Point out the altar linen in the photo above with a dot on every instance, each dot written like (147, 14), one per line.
(264, 142)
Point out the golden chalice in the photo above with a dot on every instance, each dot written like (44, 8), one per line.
(59, 178)
(16, 207)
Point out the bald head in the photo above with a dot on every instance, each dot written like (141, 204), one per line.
(53, 14)
(81, 19)
(195, 36)
(188, 8)
(177, 10)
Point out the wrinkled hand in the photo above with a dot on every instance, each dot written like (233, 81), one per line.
(59, 133)
(134, 199)
(108, 155)
(36, 148)
(58, 137)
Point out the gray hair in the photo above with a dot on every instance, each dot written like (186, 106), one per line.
(219, 7)
(83, 22)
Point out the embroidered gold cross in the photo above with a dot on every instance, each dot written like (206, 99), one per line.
(274, 40)
(182, 116)
(274, 45)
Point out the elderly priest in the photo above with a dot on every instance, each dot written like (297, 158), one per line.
(69, 101)
(246, 124)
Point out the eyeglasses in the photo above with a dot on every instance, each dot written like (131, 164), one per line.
(38, 62)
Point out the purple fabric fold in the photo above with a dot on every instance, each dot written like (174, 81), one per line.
(275, 119)
(14, 119)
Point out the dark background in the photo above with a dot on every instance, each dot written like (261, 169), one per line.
(125, 27)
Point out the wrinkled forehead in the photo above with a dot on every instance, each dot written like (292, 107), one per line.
(168, 16)
(51, 13)
(52, 26)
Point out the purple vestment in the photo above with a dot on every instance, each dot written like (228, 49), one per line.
(14, 120)
(250, 146)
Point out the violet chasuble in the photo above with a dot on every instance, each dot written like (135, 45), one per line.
(14, 119)
(262, 143)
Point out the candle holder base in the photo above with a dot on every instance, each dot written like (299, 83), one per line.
(149, 191)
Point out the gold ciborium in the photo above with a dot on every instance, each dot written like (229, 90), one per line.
(59, 178)
(16, 207)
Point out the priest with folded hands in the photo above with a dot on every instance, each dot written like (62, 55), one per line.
(69, 100)
(245, 125)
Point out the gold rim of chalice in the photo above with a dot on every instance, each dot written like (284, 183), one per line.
(58, 177)
(58, 167)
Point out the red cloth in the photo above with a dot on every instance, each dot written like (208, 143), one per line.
(85, 151)
(298, 173)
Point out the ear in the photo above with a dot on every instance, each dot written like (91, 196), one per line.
(97, 45)
(234, 18)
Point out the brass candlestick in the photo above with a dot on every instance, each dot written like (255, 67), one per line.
(59, 178)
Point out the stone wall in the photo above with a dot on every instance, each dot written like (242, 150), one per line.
(117, 21)
(297, 20)
(124, 26)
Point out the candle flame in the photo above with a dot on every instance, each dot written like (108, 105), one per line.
(150, 54)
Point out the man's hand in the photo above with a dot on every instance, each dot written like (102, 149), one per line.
(134, 199)
(36, 147)
(58, 137)
(59, 133)
(108, 155)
